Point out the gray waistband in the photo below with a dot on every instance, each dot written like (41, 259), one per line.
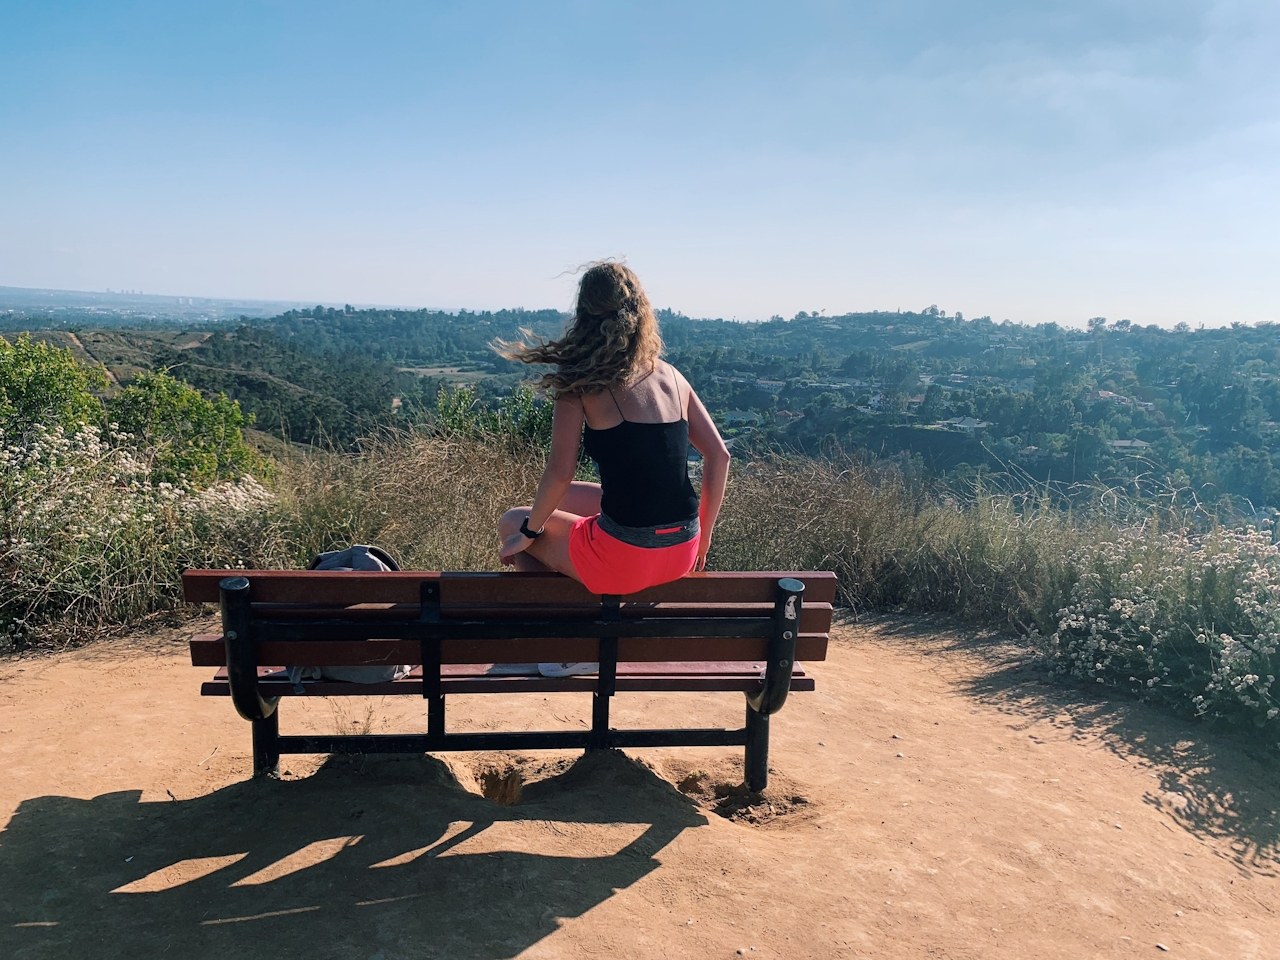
(659, 535)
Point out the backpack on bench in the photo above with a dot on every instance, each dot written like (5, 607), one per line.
(359, 557)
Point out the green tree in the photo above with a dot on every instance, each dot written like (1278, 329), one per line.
(187, 435)
(931, 409)
(44, 385)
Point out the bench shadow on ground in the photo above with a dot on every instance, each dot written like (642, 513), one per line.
(383, 857)
(1215, 785)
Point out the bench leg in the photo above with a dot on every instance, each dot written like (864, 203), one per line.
(599, 722)
(266, 749)
(756, 761)
(435, 716)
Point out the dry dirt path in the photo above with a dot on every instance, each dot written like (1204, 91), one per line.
(933, 799)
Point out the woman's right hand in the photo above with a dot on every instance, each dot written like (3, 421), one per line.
(704, 547)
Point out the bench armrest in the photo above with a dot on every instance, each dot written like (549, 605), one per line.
(782, 649)
(242, 665)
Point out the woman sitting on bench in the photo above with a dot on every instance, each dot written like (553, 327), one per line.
(643, 524)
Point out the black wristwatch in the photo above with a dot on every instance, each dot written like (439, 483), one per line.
(524, 529)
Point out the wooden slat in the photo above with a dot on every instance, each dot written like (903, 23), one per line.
(472, 678)
(310, 586)
(752, 587)
(814, 617)
(208, 650)
(413, 688)
(751, 668)
(340, 587)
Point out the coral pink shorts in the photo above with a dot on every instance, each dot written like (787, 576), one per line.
(605, 564)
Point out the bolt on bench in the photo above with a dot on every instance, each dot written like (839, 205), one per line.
(740, 632)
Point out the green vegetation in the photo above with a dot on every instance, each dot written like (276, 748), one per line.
(1127, 574)
(1170, 414)
(189, 439)
(105, 499)
(41, 385)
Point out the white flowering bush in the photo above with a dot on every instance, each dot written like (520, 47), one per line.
(1187, 619)
(89, 538)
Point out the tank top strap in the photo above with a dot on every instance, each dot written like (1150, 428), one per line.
(616, 404)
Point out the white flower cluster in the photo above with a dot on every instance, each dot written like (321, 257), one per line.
(1189, 619)
(87, 537)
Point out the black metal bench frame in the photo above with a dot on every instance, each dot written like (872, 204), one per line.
(241, 630)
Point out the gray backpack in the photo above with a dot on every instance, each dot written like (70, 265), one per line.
(359, 557)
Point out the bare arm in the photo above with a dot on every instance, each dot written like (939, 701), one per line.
(566, 435)
(562, 464)
(707, 441)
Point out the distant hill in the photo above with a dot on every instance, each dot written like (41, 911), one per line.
(1186, 413)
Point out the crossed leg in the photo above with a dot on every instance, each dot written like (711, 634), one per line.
(551, 550)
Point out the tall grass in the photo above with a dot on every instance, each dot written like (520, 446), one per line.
(89, 539)
(433, 501)
(1116, 596)
(895, 544)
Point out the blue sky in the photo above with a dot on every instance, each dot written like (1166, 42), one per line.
(1036, 161)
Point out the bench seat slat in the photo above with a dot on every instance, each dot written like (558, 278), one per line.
(209, 651)
(474, 678)
(339, 587)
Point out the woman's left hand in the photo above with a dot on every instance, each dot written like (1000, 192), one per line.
(516, 543)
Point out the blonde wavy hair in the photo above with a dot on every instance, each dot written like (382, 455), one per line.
(612, 337)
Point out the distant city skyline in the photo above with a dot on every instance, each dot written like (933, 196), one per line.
(1047, 162)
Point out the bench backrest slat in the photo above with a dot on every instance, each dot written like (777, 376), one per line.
(814, 617)
(332, 618)
(335, 587)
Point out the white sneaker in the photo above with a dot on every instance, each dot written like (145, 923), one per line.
(567, 669)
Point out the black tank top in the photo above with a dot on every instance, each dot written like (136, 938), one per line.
(644, 471)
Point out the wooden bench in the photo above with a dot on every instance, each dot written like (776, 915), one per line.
(742, 632)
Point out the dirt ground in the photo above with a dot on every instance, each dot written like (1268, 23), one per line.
(934, 798)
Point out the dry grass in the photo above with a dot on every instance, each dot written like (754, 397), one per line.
(94, 551)
(895, 546)
(434, 503)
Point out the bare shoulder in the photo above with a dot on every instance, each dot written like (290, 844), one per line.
(683, 389)
(673, 371)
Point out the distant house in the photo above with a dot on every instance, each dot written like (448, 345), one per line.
(1120, 445)
(964, 424)
(914, 403)
(771, 386)
(1108, 396)
(741, 416)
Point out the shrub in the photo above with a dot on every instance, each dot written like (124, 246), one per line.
(187, 437)
(521, 419)
(88, 540)
(43, 386)
(1190, 620)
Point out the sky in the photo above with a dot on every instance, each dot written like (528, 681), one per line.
(1036, 161)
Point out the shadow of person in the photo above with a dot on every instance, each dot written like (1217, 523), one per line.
(388, 857)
